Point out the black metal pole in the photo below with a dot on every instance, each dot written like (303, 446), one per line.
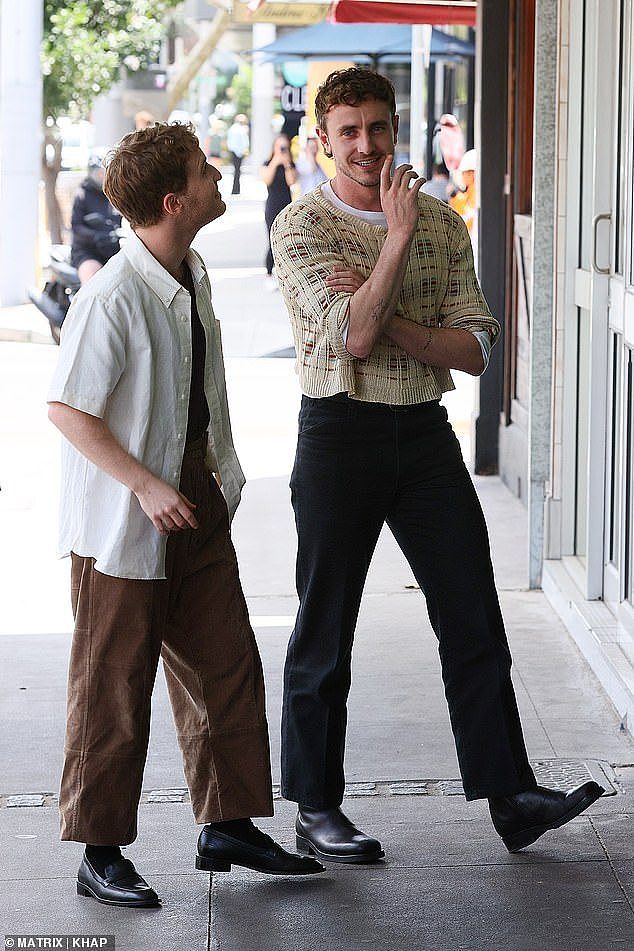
(492, 163)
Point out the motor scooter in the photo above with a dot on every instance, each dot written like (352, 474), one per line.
(63, 283)
(63, 280)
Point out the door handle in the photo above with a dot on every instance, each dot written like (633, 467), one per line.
(607, 216)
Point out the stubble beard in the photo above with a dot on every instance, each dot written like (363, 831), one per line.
(220, 204)
(364, 182)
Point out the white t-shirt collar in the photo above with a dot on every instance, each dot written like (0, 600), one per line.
(372, 217)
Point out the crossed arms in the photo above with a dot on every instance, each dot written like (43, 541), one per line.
(370, 308)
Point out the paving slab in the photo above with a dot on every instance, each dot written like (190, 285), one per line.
(624, 871)
(166, 840)
(447, 883)
(548, 907)
(407, 735)
(437, 831)
(51, 906)
(615, 831)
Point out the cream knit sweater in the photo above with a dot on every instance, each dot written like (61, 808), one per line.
(440, 289)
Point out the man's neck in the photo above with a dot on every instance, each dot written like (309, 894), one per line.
(168, 248)
(357, 196)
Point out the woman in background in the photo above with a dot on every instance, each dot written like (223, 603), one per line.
(310, 174)
(278, 174)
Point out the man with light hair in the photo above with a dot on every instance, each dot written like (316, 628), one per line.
(139, 395)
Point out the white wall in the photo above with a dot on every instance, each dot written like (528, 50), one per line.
(261, 96)
(20, 145)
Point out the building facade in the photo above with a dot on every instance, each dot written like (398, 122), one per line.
(559, 202)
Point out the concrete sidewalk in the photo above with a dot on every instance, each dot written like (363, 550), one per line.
(447, 882)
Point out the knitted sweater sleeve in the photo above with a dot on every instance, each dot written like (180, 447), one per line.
(305, 248)
(464, 304)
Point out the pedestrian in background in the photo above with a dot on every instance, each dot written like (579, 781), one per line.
(310, 174)
(464, 200)
(448, 142)
(279, 175)
(139, 395)
(94, 223)
(143, 119)
(215, 141)
(438, 185)
(238, 147)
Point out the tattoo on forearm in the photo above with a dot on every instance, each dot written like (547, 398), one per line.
(378, 310)
(430, 337)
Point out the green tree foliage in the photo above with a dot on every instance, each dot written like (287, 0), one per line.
(241, 89)
(86, 43)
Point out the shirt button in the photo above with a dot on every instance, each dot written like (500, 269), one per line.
(179, 435)
(186, 360)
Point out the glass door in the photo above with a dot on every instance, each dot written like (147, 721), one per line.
(618, 574)
(594, 42)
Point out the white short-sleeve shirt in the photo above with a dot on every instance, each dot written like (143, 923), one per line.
(125, 356)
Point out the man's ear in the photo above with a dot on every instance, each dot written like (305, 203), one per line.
(172, 204)
(323, 138)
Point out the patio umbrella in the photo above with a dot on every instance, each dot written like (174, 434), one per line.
(360, 42)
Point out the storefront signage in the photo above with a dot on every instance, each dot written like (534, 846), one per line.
(282, 14)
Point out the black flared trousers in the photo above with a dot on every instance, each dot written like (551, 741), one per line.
(357, 466)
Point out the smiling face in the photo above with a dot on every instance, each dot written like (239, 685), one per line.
(359, 138)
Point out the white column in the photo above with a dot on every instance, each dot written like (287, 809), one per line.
(421, 43)
(544, 265)
(262, 89)
(20, 145)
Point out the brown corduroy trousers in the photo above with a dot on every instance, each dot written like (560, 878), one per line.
(197, 620)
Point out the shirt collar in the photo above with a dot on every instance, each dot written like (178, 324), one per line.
(154, 274)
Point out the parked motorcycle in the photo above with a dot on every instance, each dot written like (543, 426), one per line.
(54, 299)
(63, 280)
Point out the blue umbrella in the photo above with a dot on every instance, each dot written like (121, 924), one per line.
(360, 42)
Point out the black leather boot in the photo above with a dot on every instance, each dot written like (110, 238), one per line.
(330, 835)
(522, 818)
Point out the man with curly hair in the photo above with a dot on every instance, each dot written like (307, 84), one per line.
(139, 395)
(383, 298)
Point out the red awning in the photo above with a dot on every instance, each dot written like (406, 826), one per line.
(384, 11)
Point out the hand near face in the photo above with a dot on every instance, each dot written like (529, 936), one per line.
(399, 197)
(282, 153)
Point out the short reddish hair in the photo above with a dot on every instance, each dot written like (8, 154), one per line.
(146, 166)
(351, 86)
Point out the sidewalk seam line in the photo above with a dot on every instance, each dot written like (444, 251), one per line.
(535, 711)
(210, 911)
(612, 869)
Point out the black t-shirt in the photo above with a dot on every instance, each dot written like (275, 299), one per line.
(198, 416)
(279, 193)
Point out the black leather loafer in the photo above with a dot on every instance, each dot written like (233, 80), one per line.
(217, 852)
(329, 834)
(522, 818)
(120, 884)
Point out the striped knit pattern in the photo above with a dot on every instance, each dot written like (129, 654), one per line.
(440, 289)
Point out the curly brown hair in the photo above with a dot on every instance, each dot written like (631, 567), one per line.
(350, 87)
(146, 166)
